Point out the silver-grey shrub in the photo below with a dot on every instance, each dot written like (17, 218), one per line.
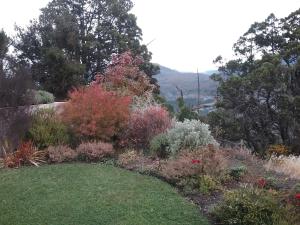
(190, 134)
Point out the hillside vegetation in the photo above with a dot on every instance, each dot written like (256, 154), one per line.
(170, 80)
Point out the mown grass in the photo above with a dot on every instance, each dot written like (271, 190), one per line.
(88, 194)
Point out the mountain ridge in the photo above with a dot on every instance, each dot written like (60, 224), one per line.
(170, 80)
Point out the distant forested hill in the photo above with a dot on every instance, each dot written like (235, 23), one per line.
(168, 79)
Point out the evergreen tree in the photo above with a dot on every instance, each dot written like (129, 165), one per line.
(259, 92)
(73, 40)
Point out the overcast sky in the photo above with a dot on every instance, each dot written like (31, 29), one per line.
(187, 34)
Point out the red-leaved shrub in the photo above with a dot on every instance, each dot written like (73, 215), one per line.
(94, 113)
(26, 154)
(144, 124)
(94, 151)
(61, 153)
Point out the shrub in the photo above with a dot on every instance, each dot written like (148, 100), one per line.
(26, 154)
(190, 134)
(269, 183)
(134, 160)
(296, 189)
(94, 151)
(163, 101)
(294, 196)
(185, 112)
(207, 184)
(277, 150)
(293, 214)
(47, 129)
(215, 163)
(237, 172)
(61, 153)
(189, 185)
(128, 158)
(125, 76)
(194, 163)
(144, 124)
(159, 146)
(243, 157)
(248, 206)
(93, 113)
(43, 97)
(143, 102)
(186, 164)
(293, 204)
(288, 165)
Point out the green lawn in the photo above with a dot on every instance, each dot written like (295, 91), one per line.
(86, 194)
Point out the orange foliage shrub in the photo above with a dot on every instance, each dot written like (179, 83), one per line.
(94, 113)
(277, 150)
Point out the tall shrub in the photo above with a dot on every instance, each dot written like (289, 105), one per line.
(124, 75)
(94, 113)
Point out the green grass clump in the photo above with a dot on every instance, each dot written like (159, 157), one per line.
(90, 194)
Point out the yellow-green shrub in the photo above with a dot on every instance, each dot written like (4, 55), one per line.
(47, 129)
(249, 206)
(207, 184)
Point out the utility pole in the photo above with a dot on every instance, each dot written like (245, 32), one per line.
(198, 88)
